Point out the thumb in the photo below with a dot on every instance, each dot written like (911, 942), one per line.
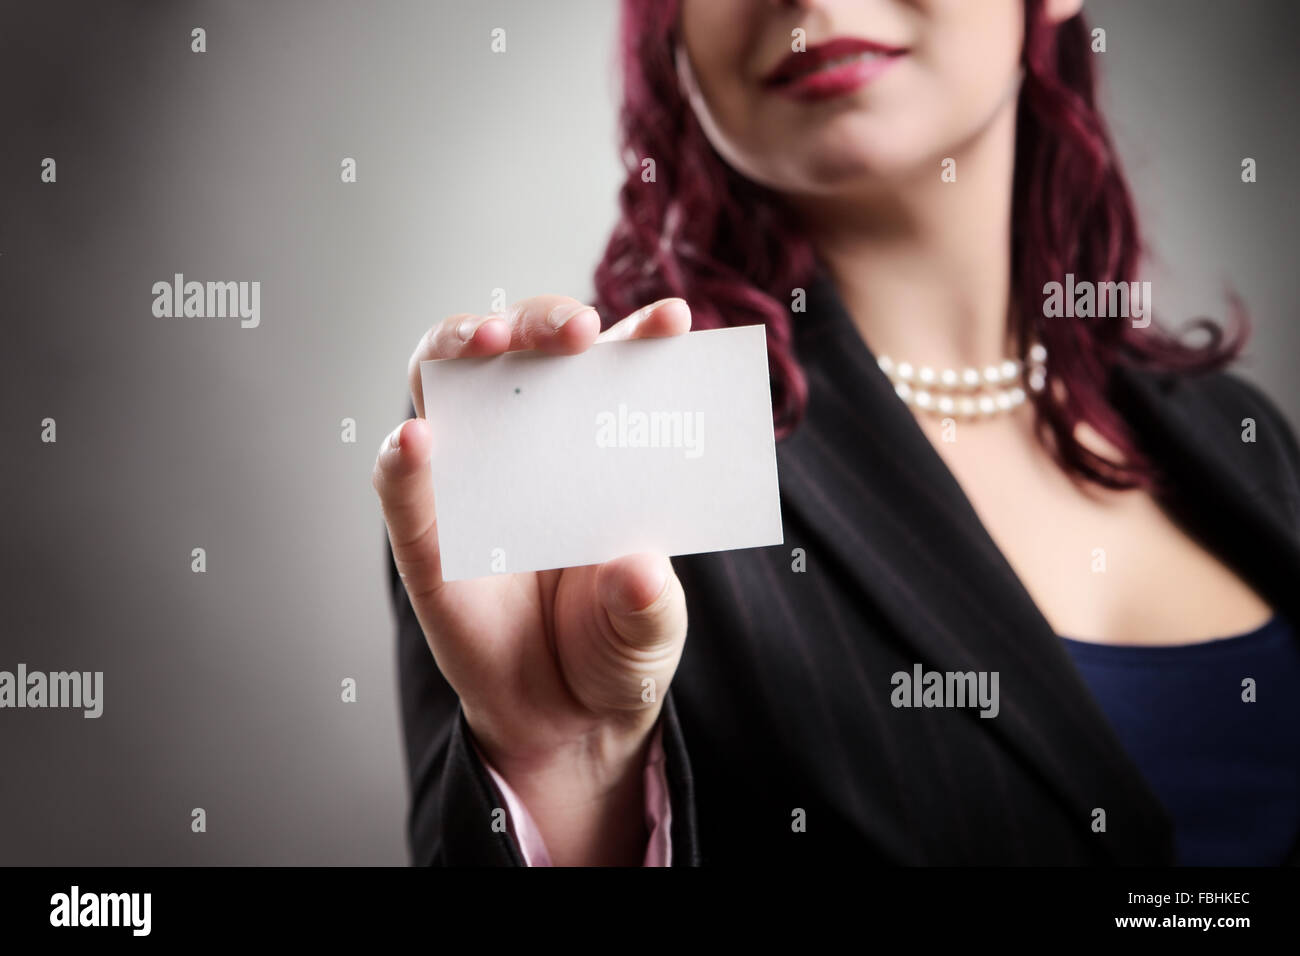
(643, 600)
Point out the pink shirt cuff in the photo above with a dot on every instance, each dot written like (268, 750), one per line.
(658, 811)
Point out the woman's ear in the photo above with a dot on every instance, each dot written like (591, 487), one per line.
(1058, 11)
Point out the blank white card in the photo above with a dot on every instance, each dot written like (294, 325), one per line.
(543, 461)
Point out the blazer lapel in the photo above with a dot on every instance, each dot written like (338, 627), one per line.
(1248, 517)
(883, 504)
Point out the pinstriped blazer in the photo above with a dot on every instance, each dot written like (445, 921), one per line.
(782, 701)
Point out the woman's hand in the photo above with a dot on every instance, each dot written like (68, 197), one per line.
(561, 674)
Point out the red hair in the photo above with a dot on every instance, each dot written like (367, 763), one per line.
(725, 244)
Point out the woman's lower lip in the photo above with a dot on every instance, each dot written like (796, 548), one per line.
(837, 81)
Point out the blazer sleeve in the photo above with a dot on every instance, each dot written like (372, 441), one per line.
(452, 798)
(452, 795)
(682, 795)
(1274, 435)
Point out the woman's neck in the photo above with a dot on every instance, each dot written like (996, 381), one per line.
(924, 265)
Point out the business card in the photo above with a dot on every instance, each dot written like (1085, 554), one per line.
(544, 461)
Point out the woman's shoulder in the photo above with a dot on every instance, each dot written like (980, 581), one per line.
(1225, 414)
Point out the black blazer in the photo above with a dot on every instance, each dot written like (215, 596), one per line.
(782, 698)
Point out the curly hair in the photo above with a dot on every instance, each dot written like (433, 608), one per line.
(728, 246)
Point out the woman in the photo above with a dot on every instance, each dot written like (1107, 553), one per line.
(1037, 612)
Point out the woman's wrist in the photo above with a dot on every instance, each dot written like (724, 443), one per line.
(587, 797)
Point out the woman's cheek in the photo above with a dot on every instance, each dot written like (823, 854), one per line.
(968, 85)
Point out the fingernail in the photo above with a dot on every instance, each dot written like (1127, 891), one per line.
(468, 327)
(662, 302)
(563, 313)
(643, 313)
(395, 439)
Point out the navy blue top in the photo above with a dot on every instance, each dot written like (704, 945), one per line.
(1227, 771)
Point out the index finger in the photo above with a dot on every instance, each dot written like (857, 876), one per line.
(555, 324)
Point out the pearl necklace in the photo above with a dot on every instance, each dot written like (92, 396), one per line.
(970, 392)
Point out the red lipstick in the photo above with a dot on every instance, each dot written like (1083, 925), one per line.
(835, 68)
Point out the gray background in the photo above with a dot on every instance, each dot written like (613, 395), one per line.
(476, 171)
